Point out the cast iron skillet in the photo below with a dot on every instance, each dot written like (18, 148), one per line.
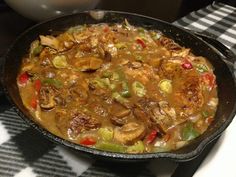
(225, 80)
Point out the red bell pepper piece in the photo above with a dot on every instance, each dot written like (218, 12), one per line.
(209, 120)
(187, 64)
(151, 137)
(33, 103)
(87, 141)
(141, 42)
(37, 85)
(166, 137)
(106, 29)
(23, 78)
(209, 80)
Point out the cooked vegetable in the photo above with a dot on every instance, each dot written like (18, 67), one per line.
(139, 58)
(103, 83)
(33, 102)
(23, 78)
(49, 41)
(165, 86)
(138, 147)
(189, 133)
(35, 48)
(120, 45)
(54, 82)
(87, 141)
(187, 64)
(139, 89)
(119, 88)
(106, 133)
(60, 61)
(129, 133)
(151, 137)
(205, 114)
(107, 146)
(141, 42)
(202, 68)
(89, 63)
(208, 80)
(37, 85)
(125, 90)
(119, 98)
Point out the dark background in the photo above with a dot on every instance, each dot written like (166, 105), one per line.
(168, 10)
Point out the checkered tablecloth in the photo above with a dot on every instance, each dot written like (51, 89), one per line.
(23, 152)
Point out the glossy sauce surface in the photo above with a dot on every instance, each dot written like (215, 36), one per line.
(118, 88)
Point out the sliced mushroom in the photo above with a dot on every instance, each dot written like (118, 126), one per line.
(46, 98)
(89, 63)
(107, 52)
(123, 113)
(119, 121)
(136, 65)
(130, 133)
(49, 41)
(120, 115)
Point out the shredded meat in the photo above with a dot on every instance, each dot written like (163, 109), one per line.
(169, 44)
(81, 122)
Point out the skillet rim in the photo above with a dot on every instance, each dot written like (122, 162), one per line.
(114, 155)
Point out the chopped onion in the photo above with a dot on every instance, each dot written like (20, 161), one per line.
(213, 102)
(180, 144)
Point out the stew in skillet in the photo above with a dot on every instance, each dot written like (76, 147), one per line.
(118, 88)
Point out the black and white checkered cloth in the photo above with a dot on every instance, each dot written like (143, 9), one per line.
(23, 152)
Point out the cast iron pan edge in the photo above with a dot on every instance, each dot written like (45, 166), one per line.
(103, 154)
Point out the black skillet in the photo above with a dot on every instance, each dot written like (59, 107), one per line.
(225, 80)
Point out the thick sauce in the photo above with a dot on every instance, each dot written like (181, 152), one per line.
(118, 88)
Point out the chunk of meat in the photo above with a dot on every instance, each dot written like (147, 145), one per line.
(81, 122)
(49, 41)
(99, 109)
(170, 69)
(163, 115)
(142, 74)
(143, 116)
(89, 63)
(46, 97)
(130, 133)
(79, 92)
(62, 121)
(189, 96)
(155, 115)
(66, 41)
(103, 53)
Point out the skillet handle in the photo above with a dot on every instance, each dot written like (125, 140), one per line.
(227, 55)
